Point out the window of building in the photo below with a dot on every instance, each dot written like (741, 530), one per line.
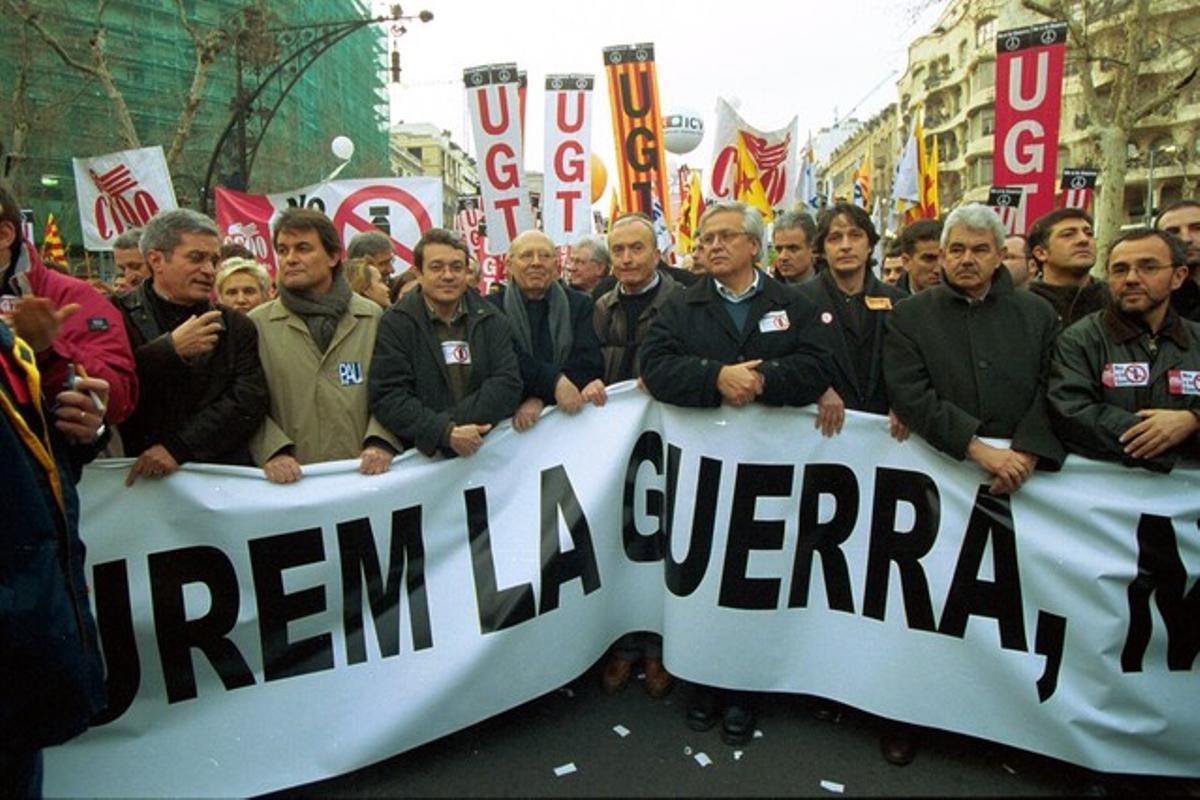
(962, 52)
(983, 76)
(987, 122)
(983, 171)
(985, 33)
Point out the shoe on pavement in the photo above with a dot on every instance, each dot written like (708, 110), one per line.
(658, 681)
(702, 714)
(616, 674)
(737, 726)
(899, 745)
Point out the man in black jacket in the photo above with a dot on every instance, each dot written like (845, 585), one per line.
(556, 344)
(952, 372)
(853, 306)
(736, 337)
(444, 370)
(1064, 246)
(1125, 381)
(203, 393)
(1182, 219)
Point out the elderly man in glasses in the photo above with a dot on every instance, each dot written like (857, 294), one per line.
(1125, 380)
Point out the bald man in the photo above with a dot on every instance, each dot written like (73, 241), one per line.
(556, 343)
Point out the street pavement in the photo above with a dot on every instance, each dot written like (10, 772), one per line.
(517, 754)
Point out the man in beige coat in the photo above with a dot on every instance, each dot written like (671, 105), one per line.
(315, 341)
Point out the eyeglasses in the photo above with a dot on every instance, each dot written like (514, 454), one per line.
(1142, 270)
(723, 237)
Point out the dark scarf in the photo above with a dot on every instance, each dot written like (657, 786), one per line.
(562, 338)
(320, 314)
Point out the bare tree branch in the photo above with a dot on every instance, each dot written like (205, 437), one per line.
(207, 47)
(1186, 76)
(33, 20)
(1058, 11)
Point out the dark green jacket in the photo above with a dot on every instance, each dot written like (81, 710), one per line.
(1090, 411)
(409, 388)
(957, 369)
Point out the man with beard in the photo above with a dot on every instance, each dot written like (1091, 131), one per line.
(1125, 381)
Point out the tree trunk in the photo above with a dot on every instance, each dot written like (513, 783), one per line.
(1110, 200)
(125, 126)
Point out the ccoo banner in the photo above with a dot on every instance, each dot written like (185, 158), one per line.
(403, 208)
(566, 199)
(641, 174)
(1029, 76)
(261, 636)
(120, 191)
(773, 153)
(493, 103)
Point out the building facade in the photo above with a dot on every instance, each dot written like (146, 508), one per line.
(152, 60)
(421, 143)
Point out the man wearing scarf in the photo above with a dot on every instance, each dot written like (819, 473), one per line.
(203, 394)
(556, 344)
(315, 341)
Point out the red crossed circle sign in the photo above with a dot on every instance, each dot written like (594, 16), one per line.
(1136, 373)
(347, 213)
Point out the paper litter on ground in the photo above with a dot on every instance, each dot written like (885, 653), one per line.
(565, 769)
(702, 759)
(621, 730)
(833, 786)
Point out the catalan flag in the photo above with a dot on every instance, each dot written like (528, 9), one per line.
(929, 184)
(747, 188)
(52, 244)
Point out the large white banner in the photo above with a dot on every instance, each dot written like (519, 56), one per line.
(774, 154)
(567, 195)
(118, 191)
(262, 636)
(403, 208)
(496, 125)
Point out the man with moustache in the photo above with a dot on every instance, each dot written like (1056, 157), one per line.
(1125, 381)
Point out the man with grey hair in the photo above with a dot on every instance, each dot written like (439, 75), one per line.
(376, 248)
(131, 264)
(203, 394)
(954, 377)
(953, 374)
(736, 337)
(793, 236)
(588, 263)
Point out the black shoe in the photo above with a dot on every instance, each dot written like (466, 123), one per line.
(737, 727)
(703, 713)
(899, 745)
(826, 710)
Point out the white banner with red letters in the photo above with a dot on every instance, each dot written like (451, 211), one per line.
(403, 208)
(1029, 77)
(119, 191)
(261, 636)
(567, 193)
(774, 154)
(496, 125)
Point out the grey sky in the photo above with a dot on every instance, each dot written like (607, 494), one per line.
(779, 59)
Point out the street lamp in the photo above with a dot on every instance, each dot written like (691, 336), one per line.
(1167, 150)
(297, 48)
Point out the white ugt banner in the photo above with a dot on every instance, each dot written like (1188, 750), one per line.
(567, 198)
(262, 636)
(496, 125)
(119, 191)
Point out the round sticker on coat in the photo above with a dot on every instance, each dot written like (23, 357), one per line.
(826, 317)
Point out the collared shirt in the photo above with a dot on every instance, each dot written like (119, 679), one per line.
(735, 303)
(649, 287)
(458, 373)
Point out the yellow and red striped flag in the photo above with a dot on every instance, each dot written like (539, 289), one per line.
(641, 164)
(52, 244)
(689, 216)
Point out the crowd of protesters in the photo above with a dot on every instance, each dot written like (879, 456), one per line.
(963, 334)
